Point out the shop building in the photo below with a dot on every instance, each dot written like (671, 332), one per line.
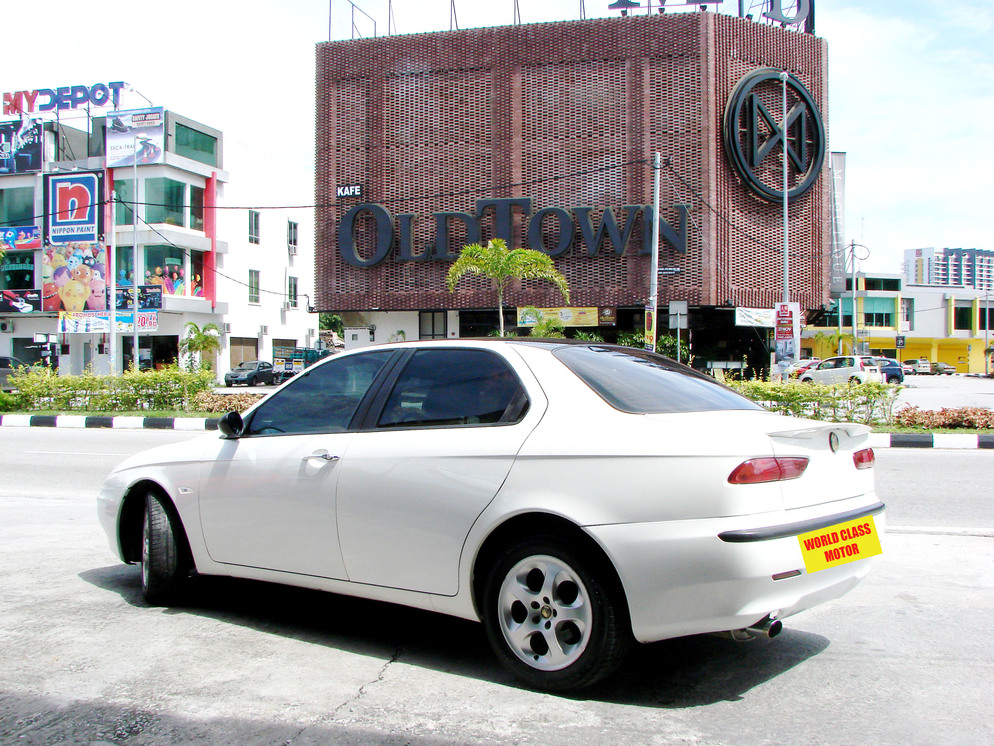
(544, 135)
(947, 324)
(141, 196)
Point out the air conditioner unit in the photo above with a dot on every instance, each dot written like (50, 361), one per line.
(226, 328)
(291, 249)
(263, 331)
(6, 327)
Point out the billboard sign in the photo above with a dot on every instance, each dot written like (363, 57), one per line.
(24, 238)
(787, 332)
(20, 146)
(149, 297)
(135, 134)
(72, 206)
(20, 301)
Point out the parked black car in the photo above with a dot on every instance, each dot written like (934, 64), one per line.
(891, 371)
(250, 372)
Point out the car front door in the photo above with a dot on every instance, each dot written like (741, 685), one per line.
(412, 485)
(268, 498)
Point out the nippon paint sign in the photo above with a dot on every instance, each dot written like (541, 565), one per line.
(72, 206)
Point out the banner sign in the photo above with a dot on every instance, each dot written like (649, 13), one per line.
(20, 146)
(66, 97)
(787, 332)
(26, 238)
(72, 206)
(149, 297)
(753, 316)
(98, 322)
(73, 277)
(20, 301)
(530, 316)
(135, 134)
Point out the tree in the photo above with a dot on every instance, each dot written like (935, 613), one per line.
(199, 340)
(501, 265)
(834, 341)
(331, 321)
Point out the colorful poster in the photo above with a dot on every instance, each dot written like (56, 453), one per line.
(20, 146)
(529, 316)
(149, 297)
(98, 322)
(25, 238)
(73, 206)
(74, 277)
(138, 133)
(20, 301)
(787, 332)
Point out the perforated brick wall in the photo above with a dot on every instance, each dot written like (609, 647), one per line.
(569, 115)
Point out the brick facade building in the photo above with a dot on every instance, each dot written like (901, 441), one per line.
(562, 115)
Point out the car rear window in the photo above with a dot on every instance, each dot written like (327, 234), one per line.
(643, 382)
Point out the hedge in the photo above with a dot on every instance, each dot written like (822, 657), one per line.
(868, 403)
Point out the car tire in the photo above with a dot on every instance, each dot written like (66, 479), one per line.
(228, 384)
(893, 379)
(251, 381)
(555, 616)
(807, 380)
(164, 558)
(853, 380)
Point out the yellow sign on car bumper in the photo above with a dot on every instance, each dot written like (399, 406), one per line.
(839, 544)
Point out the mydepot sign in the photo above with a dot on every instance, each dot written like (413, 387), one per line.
(62, 98)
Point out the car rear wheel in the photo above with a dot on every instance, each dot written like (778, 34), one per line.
(893, 379)
(164, 563)
(853, 380)
(553, 615)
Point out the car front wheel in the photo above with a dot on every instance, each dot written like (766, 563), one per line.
(553, 615)
(164, 563)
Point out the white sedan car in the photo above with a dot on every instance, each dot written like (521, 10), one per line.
(843, 369)
(573, 497)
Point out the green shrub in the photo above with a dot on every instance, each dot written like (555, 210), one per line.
(155, 390)
(209, 401)
(869, 403)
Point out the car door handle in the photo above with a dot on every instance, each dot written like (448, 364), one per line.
(324, 456)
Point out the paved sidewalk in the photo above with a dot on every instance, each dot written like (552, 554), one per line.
(877, 440)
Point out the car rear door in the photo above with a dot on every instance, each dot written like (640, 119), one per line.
(416, 479)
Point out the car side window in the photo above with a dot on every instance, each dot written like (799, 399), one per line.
(446, 388)
(322, 399)
(828, 364)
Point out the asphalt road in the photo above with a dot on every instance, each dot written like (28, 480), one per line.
(903, 659)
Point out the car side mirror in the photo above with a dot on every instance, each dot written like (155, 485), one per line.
(231, 425)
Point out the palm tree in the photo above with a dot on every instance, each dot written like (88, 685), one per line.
(501, 265)
(199, 340)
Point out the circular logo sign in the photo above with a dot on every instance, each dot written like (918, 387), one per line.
(757, 139)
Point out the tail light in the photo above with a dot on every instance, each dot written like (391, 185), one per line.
(758, 470)
(864, 459)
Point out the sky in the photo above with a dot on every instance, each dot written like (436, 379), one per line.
(911, 87)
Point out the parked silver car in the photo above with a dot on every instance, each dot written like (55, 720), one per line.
(843, 369)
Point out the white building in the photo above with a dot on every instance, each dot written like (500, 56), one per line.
(207, 251)
(970, 268)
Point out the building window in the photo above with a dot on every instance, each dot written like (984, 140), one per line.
(963, 318)
(124, 210)
(291, 236)
(878, 319)
(195, 145)
(165, 201)
(432, 325)
(197, 208)
(253, 226)
(17, 270)
(291, 292)
(253, 285)
(908, 313)
(165, 266)
(17, 206)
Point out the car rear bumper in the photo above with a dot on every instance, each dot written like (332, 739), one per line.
(682, 578)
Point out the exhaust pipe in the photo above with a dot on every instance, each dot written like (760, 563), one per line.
(766, 627)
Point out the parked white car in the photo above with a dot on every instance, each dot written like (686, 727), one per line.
(842, 369)
(573, 497)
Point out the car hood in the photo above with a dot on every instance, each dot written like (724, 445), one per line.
(167, 455)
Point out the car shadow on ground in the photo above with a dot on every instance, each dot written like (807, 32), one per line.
(679, 673)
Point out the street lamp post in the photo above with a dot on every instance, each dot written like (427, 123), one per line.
(786, 262)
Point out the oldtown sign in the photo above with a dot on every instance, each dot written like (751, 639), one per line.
(398, 230)
(755, 136)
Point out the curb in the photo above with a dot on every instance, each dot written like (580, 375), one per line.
(952, 441)
(196, 424)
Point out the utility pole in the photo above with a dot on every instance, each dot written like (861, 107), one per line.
(652, 303)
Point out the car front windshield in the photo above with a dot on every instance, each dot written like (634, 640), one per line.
(643, 382)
